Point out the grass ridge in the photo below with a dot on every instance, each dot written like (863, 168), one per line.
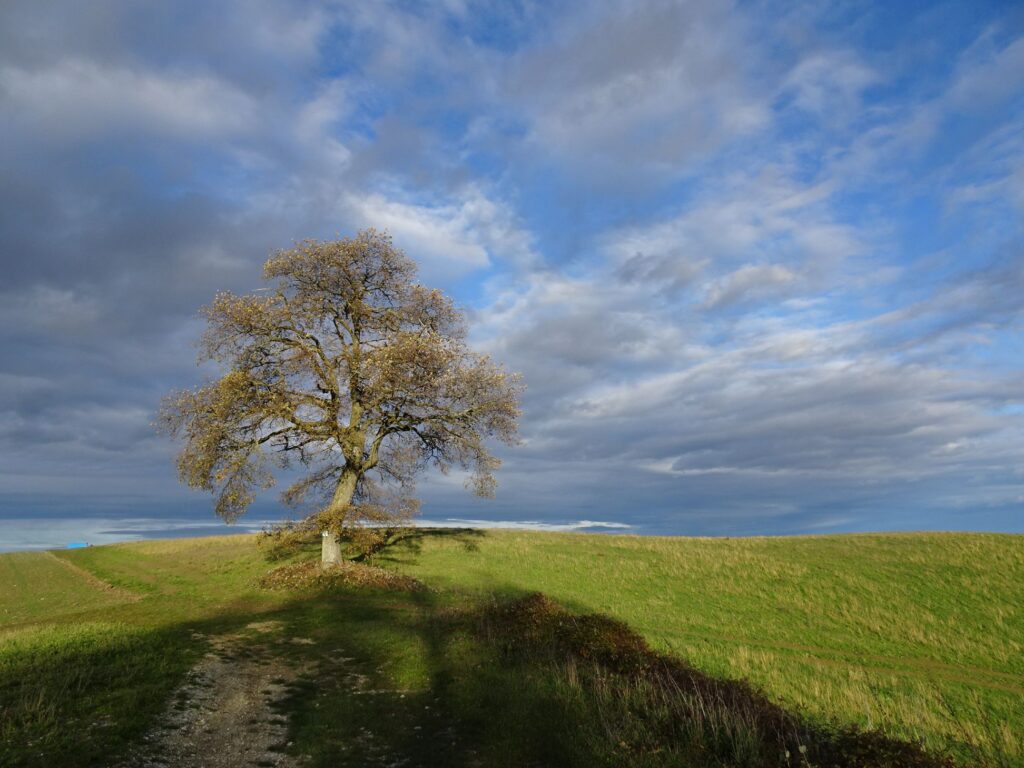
(82, 671)
(687, 711)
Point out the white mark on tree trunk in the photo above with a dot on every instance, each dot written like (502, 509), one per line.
(330, 550)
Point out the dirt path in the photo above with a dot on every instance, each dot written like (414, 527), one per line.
(94, 580)
(224, 715)
(231, 710)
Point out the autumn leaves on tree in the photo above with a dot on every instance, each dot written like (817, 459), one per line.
(351, 370)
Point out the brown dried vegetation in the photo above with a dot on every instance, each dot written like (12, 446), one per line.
(657, 710)
(309, 575)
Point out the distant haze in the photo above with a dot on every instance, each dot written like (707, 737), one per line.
(760, 265)
(59, 533)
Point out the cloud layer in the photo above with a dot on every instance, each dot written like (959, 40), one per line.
(762, 270)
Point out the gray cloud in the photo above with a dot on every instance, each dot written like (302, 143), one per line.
(742, 356)
(648, 88)
(753, 281)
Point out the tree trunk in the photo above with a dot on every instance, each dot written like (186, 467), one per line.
(330, 548)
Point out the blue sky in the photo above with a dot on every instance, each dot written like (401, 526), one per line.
(761, 265)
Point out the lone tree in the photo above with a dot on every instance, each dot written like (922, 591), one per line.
(349, 367)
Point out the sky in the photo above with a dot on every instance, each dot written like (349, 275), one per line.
(760, 264)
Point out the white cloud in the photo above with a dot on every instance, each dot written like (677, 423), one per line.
(757, 237)
(672, 86)
(81, 97)
(988, 74)
(523, 525)
(451, 237)
(829, 84)
(753, 281)
(281, 29)
(684, 275)
(49, 309)
(318, 121)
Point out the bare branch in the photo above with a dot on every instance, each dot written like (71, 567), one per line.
(351, 366)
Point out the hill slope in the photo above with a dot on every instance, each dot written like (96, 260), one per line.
(916, 635)
(921, 634)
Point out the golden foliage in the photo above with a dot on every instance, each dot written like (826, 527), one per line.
(350, 367)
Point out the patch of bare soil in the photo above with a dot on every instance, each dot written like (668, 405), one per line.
(346, 573)
(223, 716)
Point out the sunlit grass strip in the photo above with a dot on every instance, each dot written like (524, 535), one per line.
(916, 634)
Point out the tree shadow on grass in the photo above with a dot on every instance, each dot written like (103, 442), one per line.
(407, 545)
(399, 546)
(425, 678)
(80, 695)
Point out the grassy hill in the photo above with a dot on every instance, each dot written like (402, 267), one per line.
(922, 634)
(916, 636)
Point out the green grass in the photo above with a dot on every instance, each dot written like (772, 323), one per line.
(918, 636)
(84, 670)
(37, 586)
(921, 635)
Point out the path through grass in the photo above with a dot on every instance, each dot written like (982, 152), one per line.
(916, 635)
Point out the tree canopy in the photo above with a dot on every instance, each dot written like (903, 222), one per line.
(348, 368)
